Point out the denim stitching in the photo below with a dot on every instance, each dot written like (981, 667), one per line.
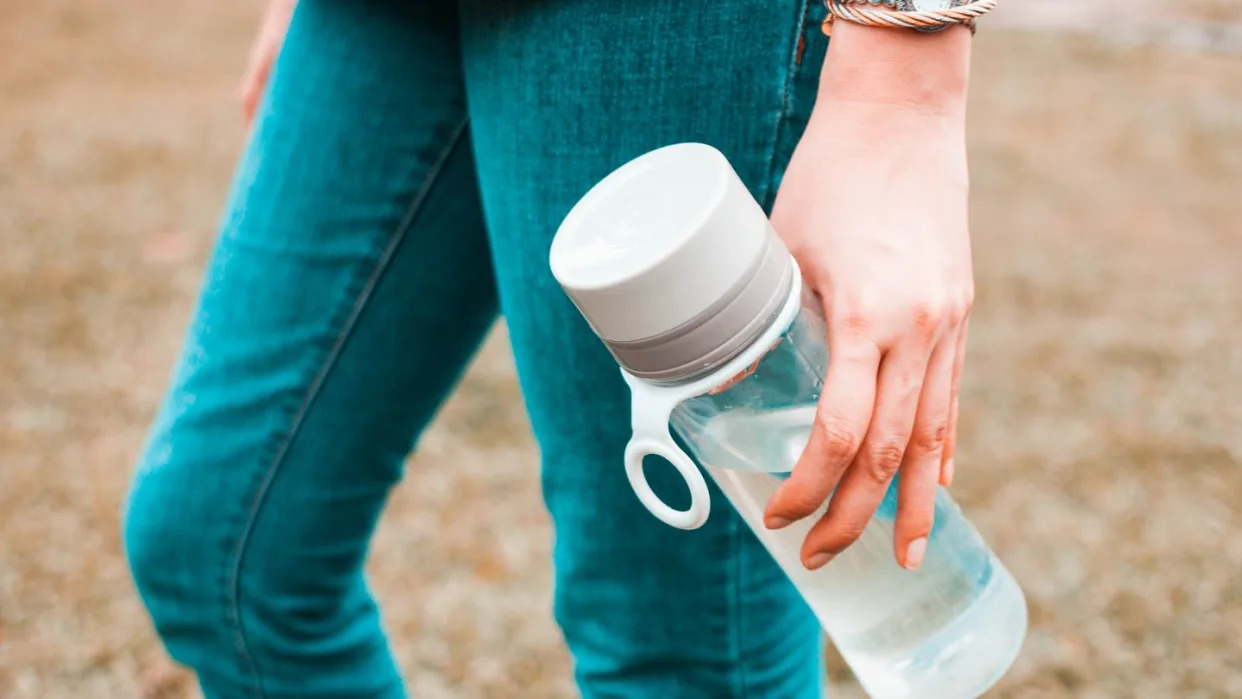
(738, 604)
(791, 70)
(398, 235)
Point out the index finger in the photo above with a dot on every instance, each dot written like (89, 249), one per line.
(841, 421)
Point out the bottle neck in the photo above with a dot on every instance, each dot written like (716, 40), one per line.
(734, 328)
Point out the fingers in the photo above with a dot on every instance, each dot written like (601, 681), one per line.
(878, 458)
(252, 86)
(263, 54)
(840, 424)
(950, 443)
(920, 470)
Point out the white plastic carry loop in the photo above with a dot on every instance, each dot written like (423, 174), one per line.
(692, 517)
(650, 409)
(652, 405)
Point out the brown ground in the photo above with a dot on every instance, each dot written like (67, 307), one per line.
(1102, 455)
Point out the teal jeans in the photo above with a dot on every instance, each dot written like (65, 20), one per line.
(405, 175)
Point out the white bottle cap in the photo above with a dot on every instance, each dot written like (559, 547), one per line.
(672, 262)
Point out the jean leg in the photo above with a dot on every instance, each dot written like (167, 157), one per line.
(560, 94)
(350, 286)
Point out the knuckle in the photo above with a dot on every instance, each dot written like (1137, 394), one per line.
(883, 461)
(857, 314)
(856, 321)
(841, 535)
(955, 315)
(839, 438)
(804, 501)
(931, 438)
(928, 317)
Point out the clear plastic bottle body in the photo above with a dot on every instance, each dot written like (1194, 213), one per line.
(949, 629)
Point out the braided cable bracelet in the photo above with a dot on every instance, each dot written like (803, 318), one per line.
(920, 20)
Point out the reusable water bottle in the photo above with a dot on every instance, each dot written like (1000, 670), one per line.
(678, 271)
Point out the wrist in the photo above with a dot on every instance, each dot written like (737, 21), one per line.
(869, 137)
(875, 136)
(899, 68)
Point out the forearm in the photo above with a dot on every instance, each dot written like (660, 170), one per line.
(898, 68)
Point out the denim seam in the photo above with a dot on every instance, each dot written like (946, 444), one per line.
(791, 69)
(234, 619)
(735, 534)
(738, 604)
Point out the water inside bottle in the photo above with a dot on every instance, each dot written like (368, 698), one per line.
(949, 629)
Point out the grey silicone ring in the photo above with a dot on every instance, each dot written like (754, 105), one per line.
(719, 332)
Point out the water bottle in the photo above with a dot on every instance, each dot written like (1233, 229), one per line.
(677, 269)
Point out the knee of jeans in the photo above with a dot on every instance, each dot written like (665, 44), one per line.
(277, 609)
(174, 551)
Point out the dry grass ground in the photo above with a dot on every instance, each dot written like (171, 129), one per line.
(1102, 454)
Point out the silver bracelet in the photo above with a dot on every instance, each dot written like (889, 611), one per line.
(920, 15)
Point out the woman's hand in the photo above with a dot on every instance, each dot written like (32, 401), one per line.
(874, 208)
(263, 54)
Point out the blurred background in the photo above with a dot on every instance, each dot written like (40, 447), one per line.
(1101, 429)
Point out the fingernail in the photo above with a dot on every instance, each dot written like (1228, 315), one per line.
(819, 560)
(776, 522)
(948, 473)
(914, 553)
